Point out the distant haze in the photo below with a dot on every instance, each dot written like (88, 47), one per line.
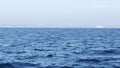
(60, 13)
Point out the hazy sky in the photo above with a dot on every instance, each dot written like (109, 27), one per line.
(60, 13)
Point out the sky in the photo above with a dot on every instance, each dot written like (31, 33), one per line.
(60, 13)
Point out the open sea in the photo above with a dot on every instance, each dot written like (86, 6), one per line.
(59, 48)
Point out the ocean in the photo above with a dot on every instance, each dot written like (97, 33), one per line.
(59, 48)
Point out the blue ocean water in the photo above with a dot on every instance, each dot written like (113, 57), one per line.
(59, 48)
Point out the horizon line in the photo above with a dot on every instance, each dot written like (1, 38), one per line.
(50, 27)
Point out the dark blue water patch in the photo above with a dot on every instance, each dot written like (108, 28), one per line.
(36, 49)
(106, 51)
(6, 65)
(88, 60)
(17, 65)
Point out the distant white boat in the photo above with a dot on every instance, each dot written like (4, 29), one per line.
(99, 26)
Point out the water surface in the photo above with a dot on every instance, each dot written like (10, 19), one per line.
(59, 48)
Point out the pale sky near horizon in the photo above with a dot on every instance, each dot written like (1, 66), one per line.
(60, 13)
